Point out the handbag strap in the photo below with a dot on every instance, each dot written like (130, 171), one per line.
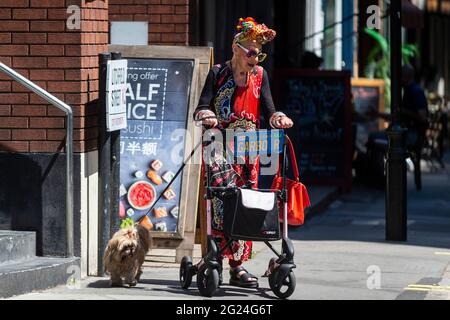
(292, 159)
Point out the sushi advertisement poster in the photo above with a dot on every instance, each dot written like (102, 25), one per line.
(157, 99)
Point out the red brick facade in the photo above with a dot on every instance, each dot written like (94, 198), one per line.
(35, 41)
(168, 19)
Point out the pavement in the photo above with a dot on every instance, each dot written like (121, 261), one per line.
(341, 254)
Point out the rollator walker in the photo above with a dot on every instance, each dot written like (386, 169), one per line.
(280, 271)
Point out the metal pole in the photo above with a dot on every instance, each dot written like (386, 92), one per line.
(69, 148)
(104, 166)
(284, 194)
(115, 171)
(396, 164)
(69, 185)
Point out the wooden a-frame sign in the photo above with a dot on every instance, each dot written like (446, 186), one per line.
(165, 86)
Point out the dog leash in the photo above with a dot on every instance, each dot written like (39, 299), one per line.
(173, 179)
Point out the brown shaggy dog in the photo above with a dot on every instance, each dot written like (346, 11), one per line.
(125, 255)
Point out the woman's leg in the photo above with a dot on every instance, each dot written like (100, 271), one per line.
(238, 251)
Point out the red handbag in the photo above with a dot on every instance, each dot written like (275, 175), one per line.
(297, 195)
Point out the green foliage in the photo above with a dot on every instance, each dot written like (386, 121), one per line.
(127, 222)
(409, 51)
(379, 39)
(378, 65)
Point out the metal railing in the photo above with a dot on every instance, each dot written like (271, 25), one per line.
(69, 147)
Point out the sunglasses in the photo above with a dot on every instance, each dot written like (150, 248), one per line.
(252, 53)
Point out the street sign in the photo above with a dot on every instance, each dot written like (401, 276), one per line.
(116, 87)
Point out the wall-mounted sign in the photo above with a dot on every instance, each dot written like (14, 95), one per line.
(130, 33)
(116, 86)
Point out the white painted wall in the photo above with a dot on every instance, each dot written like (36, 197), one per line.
(89, 213)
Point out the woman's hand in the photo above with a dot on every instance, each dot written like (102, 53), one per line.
(283, 122)
(208, 118)
(210, 122)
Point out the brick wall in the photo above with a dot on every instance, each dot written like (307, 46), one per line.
(35, 41)
(168, 19)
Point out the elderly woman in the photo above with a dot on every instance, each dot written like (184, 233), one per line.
(234, 95)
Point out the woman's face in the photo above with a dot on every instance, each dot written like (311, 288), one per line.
(245, 62)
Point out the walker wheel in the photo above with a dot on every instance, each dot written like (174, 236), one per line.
(287, 286)
(207, 281)
(185, 272)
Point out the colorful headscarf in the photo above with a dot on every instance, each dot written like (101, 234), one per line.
(249, 29)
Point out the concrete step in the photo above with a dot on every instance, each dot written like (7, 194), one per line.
(36, 273)
(16, 245)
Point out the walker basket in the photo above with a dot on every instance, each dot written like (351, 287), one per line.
(251, 215)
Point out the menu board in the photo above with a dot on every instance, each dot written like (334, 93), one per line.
(152, 144)
(319, 104)
(368, 100)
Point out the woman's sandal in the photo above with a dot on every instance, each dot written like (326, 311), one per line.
(244, 279)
